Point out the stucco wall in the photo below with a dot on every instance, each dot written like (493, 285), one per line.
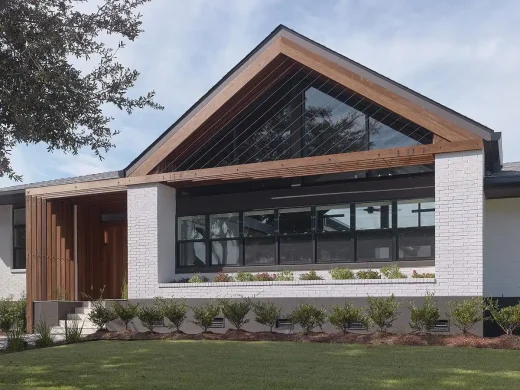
(12, 282)
(502, 248)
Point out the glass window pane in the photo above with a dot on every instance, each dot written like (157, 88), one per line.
(334, 248)
(192, 228)
(407, 213)
(259, 223)
(19, 259)
(333, 218)
(416, 244)
(295, 221)
(19, 237)
(19, 216)
(192, 254)
(383, 136)
(260, 251)
(296, 250)
(374, 216)
(374, 247)
(225, 252)
(224, 225)
(427, 213)
(331, 126)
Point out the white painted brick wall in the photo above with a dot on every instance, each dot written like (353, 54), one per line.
(12, 282)
(459, 218)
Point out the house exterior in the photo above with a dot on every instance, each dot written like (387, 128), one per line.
(298, 159)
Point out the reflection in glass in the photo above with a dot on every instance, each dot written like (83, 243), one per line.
(260, 251)
(295, 221)
(334, 248)
(414, 213)
(192, 228)
(333, 218)
(373, 216)
(416, 244)
(192, 254)
(384, 137)
(224, 225)
(427, 213)
(374, 247)
(225, 252)
(259, 223)
(18, 216)
(296, 250)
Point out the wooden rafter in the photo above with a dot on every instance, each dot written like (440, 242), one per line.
(307, 166)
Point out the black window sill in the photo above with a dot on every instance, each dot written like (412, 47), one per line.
(409, 263)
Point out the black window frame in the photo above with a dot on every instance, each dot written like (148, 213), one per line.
(16, 265)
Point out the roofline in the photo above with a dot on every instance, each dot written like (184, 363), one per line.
(451, 115)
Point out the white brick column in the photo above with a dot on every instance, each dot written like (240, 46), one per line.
(151, 238)
(459, 213)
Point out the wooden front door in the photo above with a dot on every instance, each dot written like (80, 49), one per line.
(114, 260)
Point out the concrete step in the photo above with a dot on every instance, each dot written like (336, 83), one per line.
(85, 325)
(60, 331)
(77, 316)
(83, 310)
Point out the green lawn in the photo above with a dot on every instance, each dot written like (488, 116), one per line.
(262, 365)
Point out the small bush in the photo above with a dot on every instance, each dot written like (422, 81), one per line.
(341, 273)
(508, 318)
(425, 317)
(124, 288)
(126, 313)
(267, 313)
(311, 275)
(466, 313)
(198, 279)
(368, 274)
(244, 277)
(392, 272)
(223, 278)
(181, 280)
(101, 315)
(308, 317)
(265, 277)
(342, 316)
(73, 331)
(382, 311)
(173, 310)
(236, 311)
(284, 276)
(13, 312)
(15, 339)
(424, 275)
(150, 316)
(203, 315)
(43, 334)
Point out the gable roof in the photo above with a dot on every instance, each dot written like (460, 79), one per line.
(473, 127)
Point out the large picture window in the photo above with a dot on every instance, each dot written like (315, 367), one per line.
(362, 232)
(19, 238)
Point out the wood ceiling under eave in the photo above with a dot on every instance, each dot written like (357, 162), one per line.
(247, 80)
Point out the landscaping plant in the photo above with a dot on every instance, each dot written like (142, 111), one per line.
(466, 313)
(267, 313)
(236, 311)
(284, 276)
(368, 274)
(382, 311)
(126, 312)
(342, 316)
(222, 277)
(311, 275)
(424, 318)
(198, 279)
(15, 338)
(308, 317)
(43, 334)
(508, 318)
(124, 287)
(341, 274)
(174, 310)
(150, 316)
(244, 277)
(265, 277)
(203, 315)
(424, 275)
(100, 315)
(73, 332)
(392, 272)
(13, 312)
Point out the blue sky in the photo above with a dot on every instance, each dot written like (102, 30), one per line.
(464, 54)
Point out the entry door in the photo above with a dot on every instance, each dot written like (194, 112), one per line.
(114, 257)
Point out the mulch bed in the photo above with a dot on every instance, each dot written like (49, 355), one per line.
(377, 338)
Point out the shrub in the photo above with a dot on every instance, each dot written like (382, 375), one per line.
(43, 334)
(203, 315)
(308, 317)
(425, 317)
(126, 313)
(265, 277)
(368, 274)
(222, 277)
(198, 279)
(101, 315)
(423, 275)
(508, 318)
(236, 311)
(341, 273)
(267, 313)
(311, 275)
(244, 277)
(382, 311)
(392, 272)
(13, 312)
(124, 288)
(73, 331)
(342, 316)
(181, 280)
(284, 276)
(173, 310)
(150, 316)
(466, 313)
(15, 339)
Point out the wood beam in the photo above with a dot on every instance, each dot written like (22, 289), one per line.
(346, 162)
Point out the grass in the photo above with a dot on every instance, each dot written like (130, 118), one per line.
(259, 365)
